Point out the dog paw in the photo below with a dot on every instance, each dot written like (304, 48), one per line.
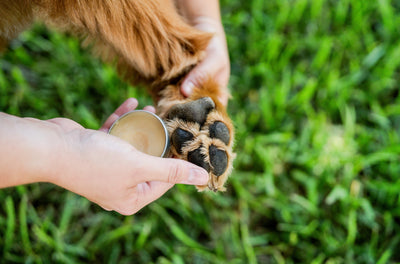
(201, 134)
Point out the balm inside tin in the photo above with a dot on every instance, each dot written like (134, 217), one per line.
(143, 130)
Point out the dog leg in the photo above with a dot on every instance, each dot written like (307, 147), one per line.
(147, 39)
(153, 44)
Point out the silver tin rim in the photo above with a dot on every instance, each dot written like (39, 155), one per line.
(154, 115)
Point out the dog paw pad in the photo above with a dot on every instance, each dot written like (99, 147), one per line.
(218, 160)
(194, 111)
(198, 158)
(201, 133)
(220, 130)
(179, 138)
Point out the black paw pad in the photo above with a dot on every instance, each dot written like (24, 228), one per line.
(179, 138)
(218, 159)
(220, 130)
(194, 111)
(197, 158)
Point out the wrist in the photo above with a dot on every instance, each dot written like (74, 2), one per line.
(208, 24)
(29, 151)
(63, 154)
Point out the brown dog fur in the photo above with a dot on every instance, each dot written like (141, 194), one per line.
(147, 39)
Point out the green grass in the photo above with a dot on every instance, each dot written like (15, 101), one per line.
(316, 107)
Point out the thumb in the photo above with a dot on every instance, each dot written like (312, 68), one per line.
(198, 75)
(173, 171)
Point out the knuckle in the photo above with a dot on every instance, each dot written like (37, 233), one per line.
(198, 76)
(174, 173)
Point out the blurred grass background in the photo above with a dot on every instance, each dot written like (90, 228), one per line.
(316, 106)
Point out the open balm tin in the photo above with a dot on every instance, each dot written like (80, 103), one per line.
(143, 130)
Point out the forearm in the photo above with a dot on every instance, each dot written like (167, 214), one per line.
(27, 152)
(198, 12)
(205, 16)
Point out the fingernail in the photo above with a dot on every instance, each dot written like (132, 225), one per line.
(187, 88)
(198, 177)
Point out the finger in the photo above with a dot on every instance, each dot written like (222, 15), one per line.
(198, 75)
(207, 69)
(150, 109)
(222, 77)
(173, 171)
(129, 105)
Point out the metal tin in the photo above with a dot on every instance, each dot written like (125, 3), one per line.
(151, 115)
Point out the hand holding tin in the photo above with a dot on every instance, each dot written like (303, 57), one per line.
(100, 167)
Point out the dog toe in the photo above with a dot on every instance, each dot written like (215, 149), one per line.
(198, 158)
(218, 160)
(180, 138)
(219, 130)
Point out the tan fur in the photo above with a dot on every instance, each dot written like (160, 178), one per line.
(147, 40)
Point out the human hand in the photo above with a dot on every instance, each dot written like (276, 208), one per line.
(216, 62)
(112, 173)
